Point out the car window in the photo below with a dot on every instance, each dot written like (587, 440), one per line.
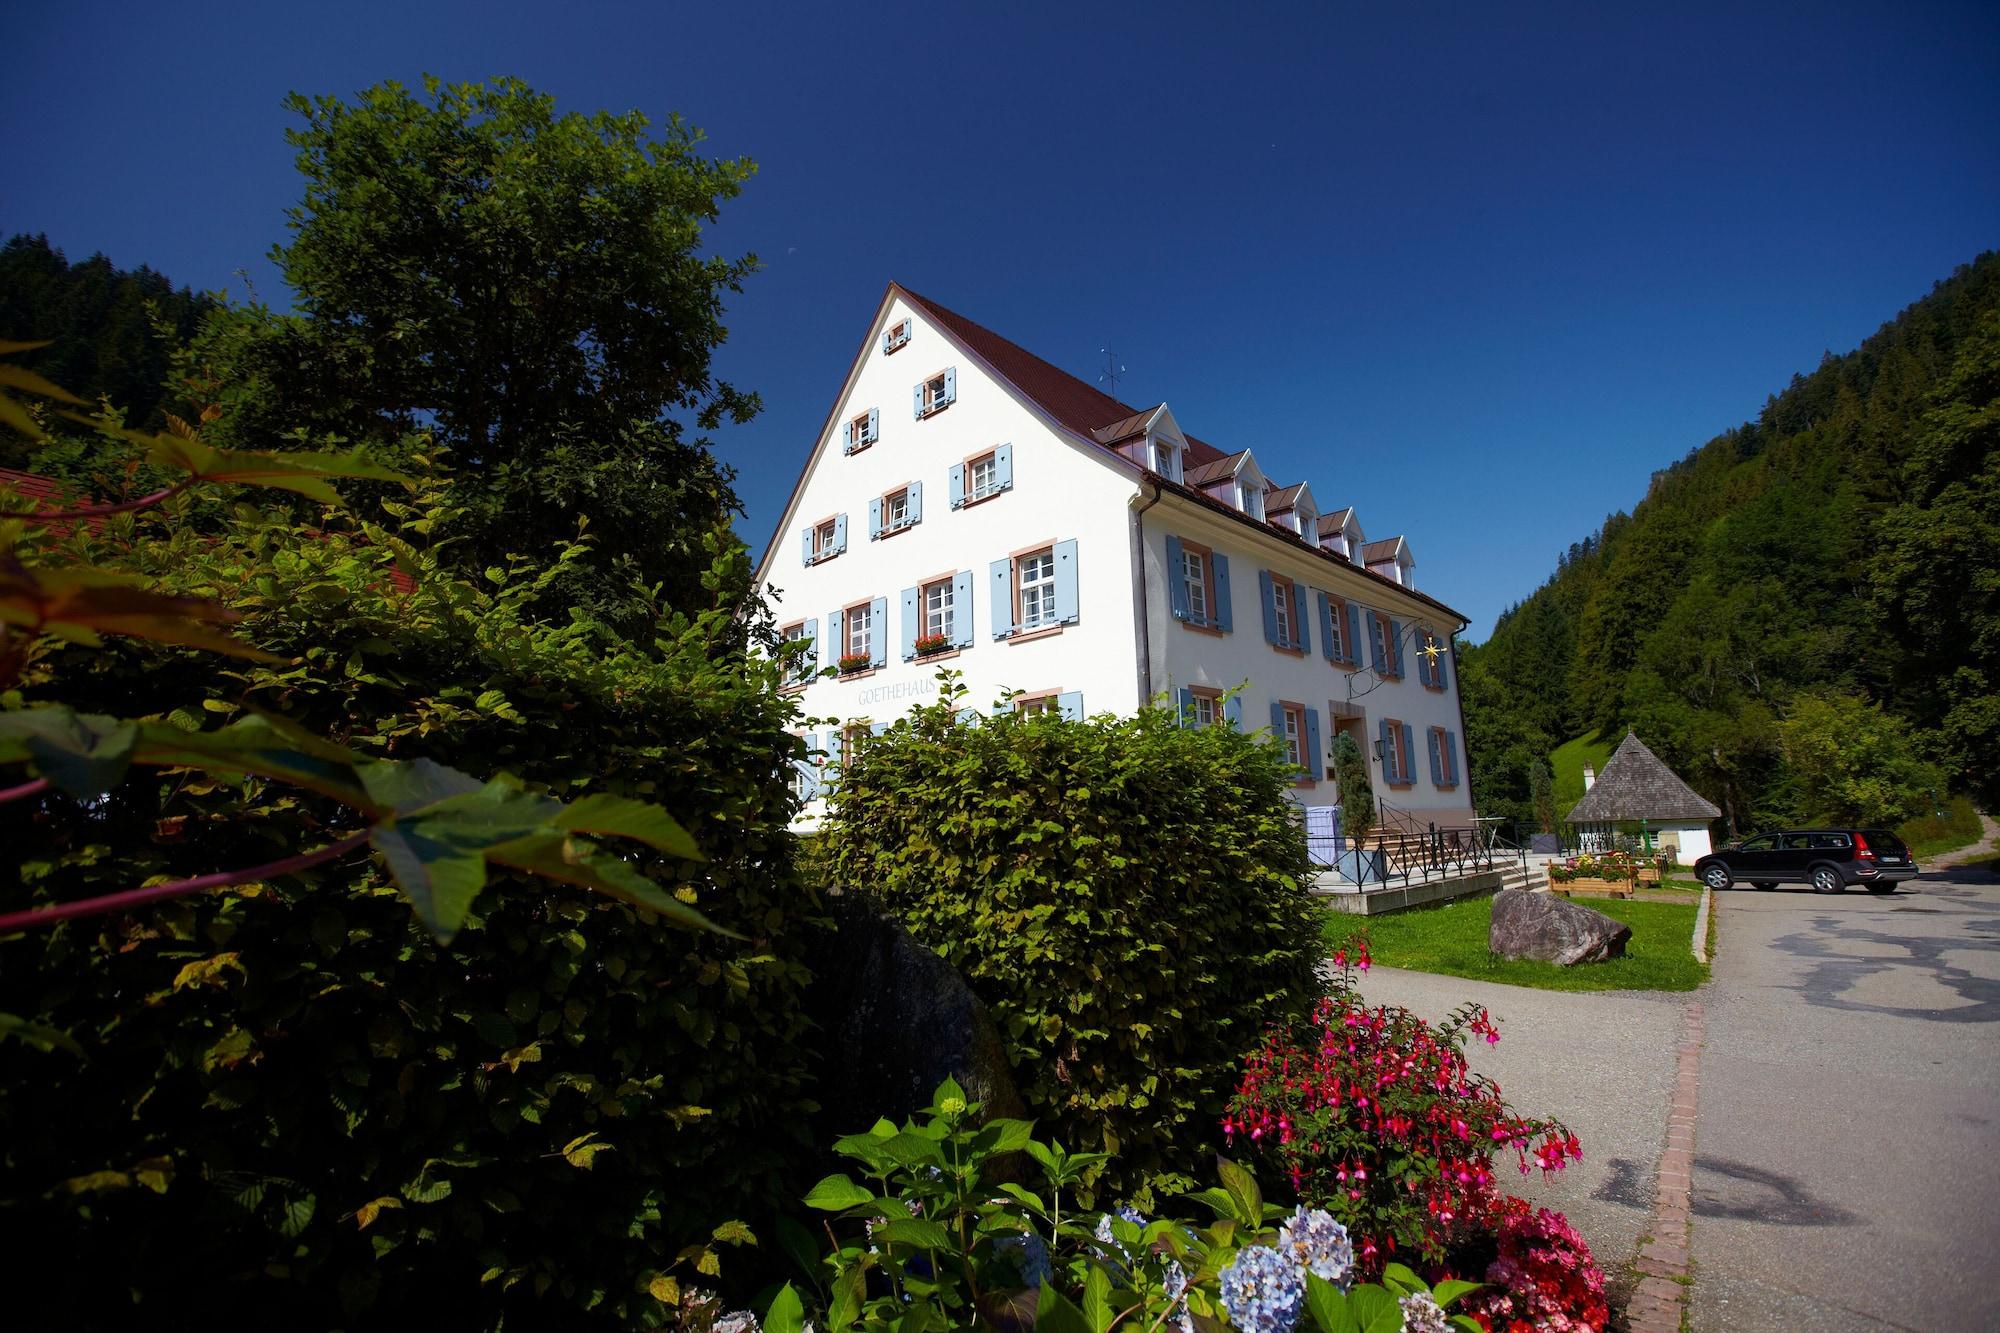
(1829, 840)
(1763, 844)
(1793, 842)
(1883, 840)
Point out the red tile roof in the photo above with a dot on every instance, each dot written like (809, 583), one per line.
(1384, 549)
(44, 493)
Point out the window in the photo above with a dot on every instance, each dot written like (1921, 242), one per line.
(1430, 660)
(1031, 705)
(1198, 585)
(823, 539)
(1444, 758)
(1167, 459)
(1250, 499)
(1307, 523)
(937, 392)
(1335, 624)
(1766, 843)
(806, 664)
(1395, 742)
(1194, 578)
(982, 476)
(895, 336)
(863, 430)
(985, 477)
(1391, 664)
(861, 630)
(1035, 589)
(1204, 707)
(1282, 611)
(1295, 734)
(940, 610)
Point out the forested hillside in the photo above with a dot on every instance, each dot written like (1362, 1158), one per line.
(1802, 616)
(99, 320)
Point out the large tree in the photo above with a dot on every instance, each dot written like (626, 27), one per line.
(531, 290)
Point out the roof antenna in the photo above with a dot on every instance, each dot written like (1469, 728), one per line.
(1113, 369)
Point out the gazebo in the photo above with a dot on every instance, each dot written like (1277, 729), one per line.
(1638, 793)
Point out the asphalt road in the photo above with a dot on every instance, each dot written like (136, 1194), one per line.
(1847, 1159)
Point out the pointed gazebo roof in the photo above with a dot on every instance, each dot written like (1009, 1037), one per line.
(1635, 785)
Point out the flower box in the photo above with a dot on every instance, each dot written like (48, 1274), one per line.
(929, 645)
(1591, 887)
(854, 662)
(1649, 874)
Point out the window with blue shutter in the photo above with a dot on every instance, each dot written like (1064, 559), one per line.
(839, 534)
(1431, 735)
(836, 625)
(1265, 591)
(1219, 565)
(806, 544)
(1301, 624)
(1177, 584)
(1232, 707)
(1386, 744)
(895, 336)
(1315, 756)
(958, 485)
(1003, 468)
(1000, 587)
(1066, 601)
(1409, 753)
(1396, 648)
(916, 503)
(1451, 755)
(1278, 720)
(1378, 653)
(917, 404)
(1070, 705)
(874, 518)
(1329, 639)
(913, 619)
(1353, 634)
(961, 591)
(878, 637)
(950, 386)
(965, 717)
(1184, 706)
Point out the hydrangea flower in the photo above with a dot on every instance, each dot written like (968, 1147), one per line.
(1132, 1215)
(1319, 1245)
(736, 1321)
(1031, 1257)
(1175, 1283)
(1422, 1314)
(1263, 1291)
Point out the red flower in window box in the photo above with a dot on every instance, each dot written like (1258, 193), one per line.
(928, 644)
(854, 662)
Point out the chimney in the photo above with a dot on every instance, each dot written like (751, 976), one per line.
(1589, 777)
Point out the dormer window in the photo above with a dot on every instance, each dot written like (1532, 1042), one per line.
(1250, 499)
(1307, 523)
(895, 336)
(1167, 459)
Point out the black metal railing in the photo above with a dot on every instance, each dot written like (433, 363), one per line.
(1398, 852)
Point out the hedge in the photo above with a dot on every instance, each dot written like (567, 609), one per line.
(1127, 896)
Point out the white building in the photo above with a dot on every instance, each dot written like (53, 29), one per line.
(967, 502)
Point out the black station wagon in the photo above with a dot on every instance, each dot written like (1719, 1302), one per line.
(1828, 859)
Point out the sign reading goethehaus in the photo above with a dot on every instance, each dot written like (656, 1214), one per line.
(909, 689)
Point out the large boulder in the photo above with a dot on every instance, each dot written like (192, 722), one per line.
(1533, 923)
(895, 1019)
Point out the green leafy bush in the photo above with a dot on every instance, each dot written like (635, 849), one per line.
(1936, 834)
(291, 1102)
(1128, 897)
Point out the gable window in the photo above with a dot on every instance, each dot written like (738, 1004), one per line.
(1308, 524)
(1035, 590)
(895, 336)
(1198, 585)
(1167, 459)
(936, 393)
(863, 431)
(806, 665)
(825, 539)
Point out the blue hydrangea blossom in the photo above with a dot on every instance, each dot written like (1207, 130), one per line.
(1263, 1291)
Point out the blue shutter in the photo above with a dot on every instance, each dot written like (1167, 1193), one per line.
(812, 644)
(917, 403)
(967, 716)
(1388, 755)
(1270, 606)
(1451, 755)
(835, 623)
(1176, 579)
(1301, 621)
(1409, 748)
(1066, 610)
(1003, 468)
(874, 518)
(1001, 574)
(834, 744)
(1431, 735)
(1437, 664)
(1070, 706)
(1278, 721)
(1396, 646)
(950, 385)
(1184, 701)
(806, 542)
(877, 728)
(874, 425)
(913, 616)
(916, 502)
(1315, 764)
(1378, 653)
(839, 533)
(1219, 568)
(878, 624)
(1232, 711)
(961, 608)
(1353, 634)
(958, 485)
(1326, 625)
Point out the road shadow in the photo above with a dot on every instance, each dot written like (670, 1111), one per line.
(1835, 971)
(1743, 1193)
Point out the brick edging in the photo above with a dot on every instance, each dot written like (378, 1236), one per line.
(1663, 1260)
(1701, 916)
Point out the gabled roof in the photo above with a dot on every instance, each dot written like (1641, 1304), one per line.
(1636, 785)
(1216, 468)
(1334, 524)
(1280, 498)
(1124, 429)
(1388, 548)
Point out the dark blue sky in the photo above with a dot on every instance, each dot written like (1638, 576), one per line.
(1478, 270)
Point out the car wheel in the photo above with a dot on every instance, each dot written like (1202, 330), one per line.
(1827, 880)
(1717, 877)
(1765, 884)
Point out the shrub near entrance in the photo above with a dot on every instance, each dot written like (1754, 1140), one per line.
(1127, 896)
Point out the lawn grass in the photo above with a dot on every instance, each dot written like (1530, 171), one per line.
(1566, 763)
(1450, 938)
(1934, 835)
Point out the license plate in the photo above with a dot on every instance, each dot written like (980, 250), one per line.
(1892, 860)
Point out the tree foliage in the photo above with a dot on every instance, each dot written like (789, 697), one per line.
(1128, 897)
(531, 290)
(1840, 546)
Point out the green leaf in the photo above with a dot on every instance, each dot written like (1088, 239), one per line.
(1374, 1310)
(555, 855)
(623, 817)
(37, 1036)
(17, 377)
(1002, 1136)
(1056, 1313)
(1400, 1279)
(582, 1150)
(1097, 1299)
(848, 1292)
(799, 1245)
(262, 745)
(80, 603)
(1327, 1306)
(85, 754)
(1243, 1191)
(439, 878)
(918, 1231)
(303, 472)
(407, 787)
(733, 1232)
(837, 1194)
(297, 1215)
(1451, 1289)
(787, 1313)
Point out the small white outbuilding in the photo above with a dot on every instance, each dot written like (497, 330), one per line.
(1638, 793)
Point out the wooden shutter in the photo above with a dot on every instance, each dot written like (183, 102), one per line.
(1315, 762)
(913, 619)
(950, 386)
(839, 533)
(961, 608)
(1184, 701)
(835, 623)
(812, 642)
(1070, 705)
(1232, 711)
(874, 518)
(1000, 586)
(1326, 625)
(1377, 653)
(878, 631)
(1396, 646)
(1409, 748)
(1264, 591)
(1354, 634)
(1066, 605)
(1003, 468)
(1431, 735)
(874, 425)
(917, 406)
(958, 485)
(1218, 569)
(1177, 592)
(1388, 754)
(1301, 619)
(806, 539)
(916, 502)
(1451, 755)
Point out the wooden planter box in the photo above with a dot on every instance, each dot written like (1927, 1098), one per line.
(1595, 888)
(1649, 876)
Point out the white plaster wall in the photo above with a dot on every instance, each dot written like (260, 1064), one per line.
(1061, 491)
(1693, 839)
(1183, 656)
